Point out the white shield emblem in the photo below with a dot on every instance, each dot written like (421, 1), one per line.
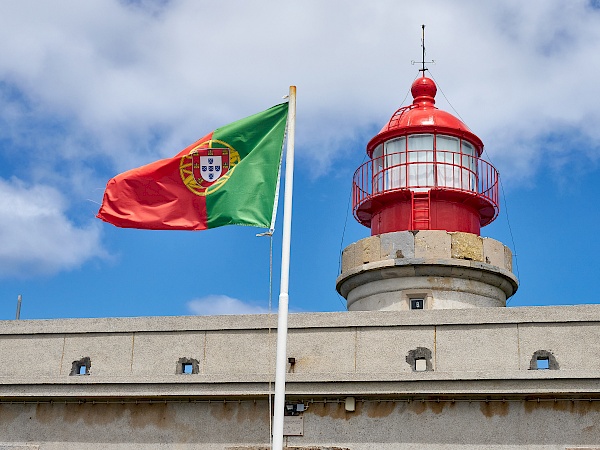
(209, 164)
(211, 167)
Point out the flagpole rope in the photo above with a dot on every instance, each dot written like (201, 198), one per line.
(512, 238)
(348, 207)
(340, 298)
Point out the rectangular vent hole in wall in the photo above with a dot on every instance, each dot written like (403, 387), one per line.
(543, 363)
(187, 368)
(420, 365)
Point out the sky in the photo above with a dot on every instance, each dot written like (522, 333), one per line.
(91, 89)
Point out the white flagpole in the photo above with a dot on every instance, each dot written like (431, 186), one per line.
(282, 314)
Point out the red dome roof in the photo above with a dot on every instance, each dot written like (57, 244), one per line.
(423, 117)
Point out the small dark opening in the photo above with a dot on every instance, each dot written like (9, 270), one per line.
(543, 360)
(81, 366)
(417, 303)
(187, 366)
(420, 359)
(543, 363)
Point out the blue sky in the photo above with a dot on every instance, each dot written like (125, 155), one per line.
(90, 89)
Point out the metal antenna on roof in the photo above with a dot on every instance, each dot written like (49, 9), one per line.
(423, 47)
(423, 59)
(19, 300)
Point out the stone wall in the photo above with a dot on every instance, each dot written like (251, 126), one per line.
(479, 385)
(374, 425)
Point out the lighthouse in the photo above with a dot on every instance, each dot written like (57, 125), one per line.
(425, 193)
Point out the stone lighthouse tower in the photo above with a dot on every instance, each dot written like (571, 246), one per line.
(425, 193)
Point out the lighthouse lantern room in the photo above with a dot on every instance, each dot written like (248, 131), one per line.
(425, 193)
(425, 172)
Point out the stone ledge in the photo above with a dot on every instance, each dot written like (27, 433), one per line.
(470, 270)
(259, 323)
(19, 447)
(474, 383)
(254, 380)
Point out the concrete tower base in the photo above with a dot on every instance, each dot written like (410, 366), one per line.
(428, 269)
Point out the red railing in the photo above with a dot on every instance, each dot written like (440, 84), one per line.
(422, 170)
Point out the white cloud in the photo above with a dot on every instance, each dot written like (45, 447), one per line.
(37, 238)
(143, 81)
(216, 305)
(95, 87)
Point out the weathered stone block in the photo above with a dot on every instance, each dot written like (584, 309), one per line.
(564, 341)
(371, 249)
(16, 354)
(158, 353)
(326, 350)
(397, 245)
(349, 259)
(432, 244)
(493, 252)
(384, 349)
(466, 246)
(508, 265)
(110, 354)
(489, 347)
(239, 352)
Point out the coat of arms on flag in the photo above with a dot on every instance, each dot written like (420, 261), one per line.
(209, 166)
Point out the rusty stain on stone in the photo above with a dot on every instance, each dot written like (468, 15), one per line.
(333, 410)
(90, 414)
(222, 411)
(252, 412)
(380, 409)
(579, 407)
(9, 413)
(160, 415)
(438, 407)
(418, 407)
(491, 409)
(140, 416)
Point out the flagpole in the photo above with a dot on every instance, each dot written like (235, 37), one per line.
(282, 314)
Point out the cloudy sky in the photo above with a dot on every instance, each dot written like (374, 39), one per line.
(90, 89)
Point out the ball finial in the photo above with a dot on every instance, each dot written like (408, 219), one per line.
(423, 90)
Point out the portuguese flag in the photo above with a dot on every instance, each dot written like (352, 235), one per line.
(229, 177)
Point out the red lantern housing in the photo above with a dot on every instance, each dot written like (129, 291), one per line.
(425, 172)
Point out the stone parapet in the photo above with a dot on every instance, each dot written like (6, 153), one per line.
(445, 269)
(479, 351)
(426, 244)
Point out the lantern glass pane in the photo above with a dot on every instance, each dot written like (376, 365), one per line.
(420, 162)
(395, 163)
(448, 161)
